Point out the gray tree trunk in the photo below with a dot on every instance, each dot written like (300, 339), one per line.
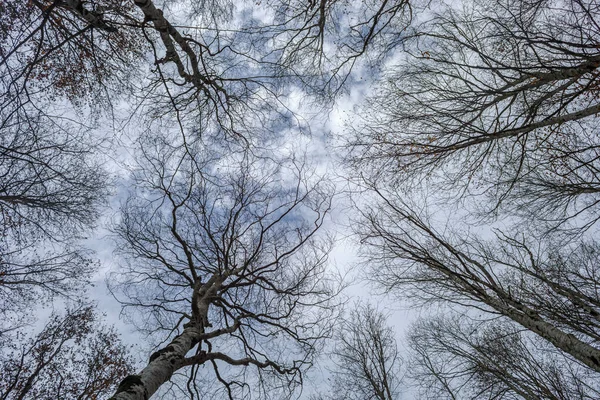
(160, 368)
(569, 343)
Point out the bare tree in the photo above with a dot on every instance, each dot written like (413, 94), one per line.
(224, 265)
(51, 188)
(50, 175)
(252, 264)
(235, 72)
(73, 357)
(455, 357)
(72, 49)
(546, 288)
(224, 69)
(495, 109)
(367, 363)
(497, 102)
(52, 183)
(328, 39)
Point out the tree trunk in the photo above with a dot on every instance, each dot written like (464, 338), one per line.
(528, 318)
(523, 315)
(160, 368)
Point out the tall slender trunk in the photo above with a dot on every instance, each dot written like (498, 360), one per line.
(160, 368)
(528, 318)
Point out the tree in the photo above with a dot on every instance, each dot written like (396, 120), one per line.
(65, 49)
(207, 66)
(52, 187)
(50, 191)
(495, 102)
(324, 41)
(225, 266)
(66, 64)
(456, 357)
(235, 72)
(494, 108)
(52, 184)
(547, 289)
(73, 357)
(367, 363)
(530, 308)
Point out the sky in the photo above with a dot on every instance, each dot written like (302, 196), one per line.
(323, 147)
(319, 132)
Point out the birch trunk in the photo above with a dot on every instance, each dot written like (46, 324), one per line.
(523, 315)
(160, 369)
(529, 319)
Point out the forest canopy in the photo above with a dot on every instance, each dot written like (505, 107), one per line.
(185, 176)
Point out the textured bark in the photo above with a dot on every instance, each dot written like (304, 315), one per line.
(160, 368)
(170, 358)
(171, 37)
(525, 316)
(567, 342)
